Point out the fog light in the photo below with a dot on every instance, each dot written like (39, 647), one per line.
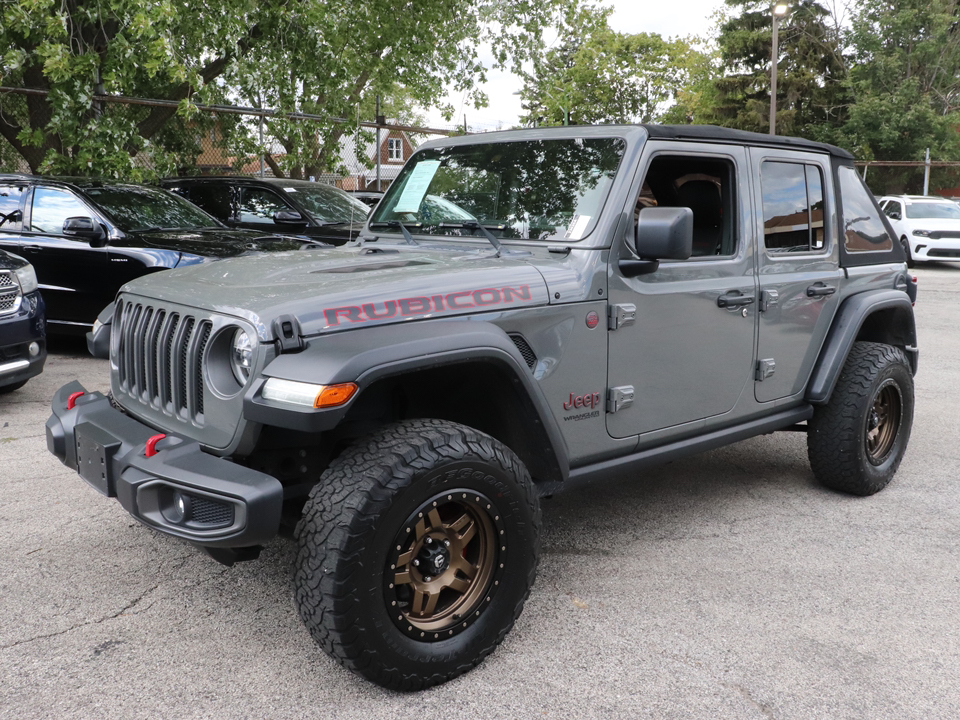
(180, 511)
(34, 349)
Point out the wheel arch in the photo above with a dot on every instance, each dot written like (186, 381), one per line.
(467, 372)
(884, 316)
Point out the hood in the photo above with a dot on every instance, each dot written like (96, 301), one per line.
(212, 242)
(347, 288)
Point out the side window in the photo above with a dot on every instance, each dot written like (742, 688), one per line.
(893, 210)
(863, 230)
(792, 207)
(259, 206)
(10, 214)
(51, 207)
(215, 199)
(705, 185)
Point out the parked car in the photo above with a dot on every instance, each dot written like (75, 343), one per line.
(86, 237)
(23, 347)
(405, 401)
(928, 227)
(367, 197)
(299, 207)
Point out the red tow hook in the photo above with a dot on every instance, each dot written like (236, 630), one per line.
(152, 445)
(72, 400)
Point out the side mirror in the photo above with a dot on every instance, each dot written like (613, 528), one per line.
(661, 233)
(87, 228)
(288, 217)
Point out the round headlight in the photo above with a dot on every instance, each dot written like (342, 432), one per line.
(241, 355)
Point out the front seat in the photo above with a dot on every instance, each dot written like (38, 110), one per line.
(703, 197)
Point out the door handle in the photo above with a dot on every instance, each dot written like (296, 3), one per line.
(734, 298)
(32, 248)
(820, 290)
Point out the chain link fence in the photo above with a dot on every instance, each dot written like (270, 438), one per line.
(234, 140)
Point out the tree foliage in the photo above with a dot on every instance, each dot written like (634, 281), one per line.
(316, 56)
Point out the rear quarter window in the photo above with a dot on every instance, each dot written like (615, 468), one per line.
(863, 230)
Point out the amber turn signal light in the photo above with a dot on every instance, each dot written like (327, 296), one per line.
(334, 395)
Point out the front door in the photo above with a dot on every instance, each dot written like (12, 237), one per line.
(799, 268)
(689, 352)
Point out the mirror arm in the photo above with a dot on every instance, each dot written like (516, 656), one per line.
(632, 268)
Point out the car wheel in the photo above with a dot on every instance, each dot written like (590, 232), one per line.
(856, 441)
(13, 386)
(905, 244)
(416, 551)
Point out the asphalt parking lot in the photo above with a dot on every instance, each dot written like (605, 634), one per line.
(727, 585)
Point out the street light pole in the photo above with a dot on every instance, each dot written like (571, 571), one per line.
(778, 11)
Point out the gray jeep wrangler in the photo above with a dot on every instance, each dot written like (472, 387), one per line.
(525, 311)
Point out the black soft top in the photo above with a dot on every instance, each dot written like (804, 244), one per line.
(705, 133)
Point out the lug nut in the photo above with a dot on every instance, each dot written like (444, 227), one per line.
(427, 578)
(416, 563)
(429, 540)
(446, 543)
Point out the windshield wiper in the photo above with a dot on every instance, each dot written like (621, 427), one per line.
(485, 229)
(403, 229)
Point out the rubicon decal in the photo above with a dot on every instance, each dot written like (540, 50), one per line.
(424, 304)
(588, 400)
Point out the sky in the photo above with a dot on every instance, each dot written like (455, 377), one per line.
(669, 19)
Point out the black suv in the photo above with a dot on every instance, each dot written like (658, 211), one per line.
(298, 207)
(87, 237)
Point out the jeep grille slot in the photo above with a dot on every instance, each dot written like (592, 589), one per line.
(160, 359)
(529, 356)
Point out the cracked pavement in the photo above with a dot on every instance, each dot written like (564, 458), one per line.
(727, 585)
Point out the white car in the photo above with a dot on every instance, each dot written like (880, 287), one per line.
(928, 227)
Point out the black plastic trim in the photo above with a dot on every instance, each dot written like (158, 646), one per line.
(843, 333)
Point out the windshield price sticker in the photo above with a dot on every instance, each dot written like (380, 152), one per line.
(416, 187)
(290, 189)
(578, 227)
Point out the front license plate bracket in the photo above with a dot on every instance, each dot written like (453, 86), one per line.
(95, 451)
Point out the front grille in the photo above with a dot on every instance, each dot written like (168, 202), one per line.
(160, 358)
(943, 253)
(9, 293)
(940, 234)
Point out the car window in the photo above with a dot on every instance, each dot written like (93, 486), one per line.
(792, 207)
(863, 230)
(933, 210)
(215, 199)
(891, 208)
(330, 204)
(705, 185)
(138, 208)
(258, 205)
(51, 207)
(10, 215)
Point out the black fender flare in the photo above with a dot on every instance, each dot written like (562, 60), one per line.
(846, 329)
(376, 353)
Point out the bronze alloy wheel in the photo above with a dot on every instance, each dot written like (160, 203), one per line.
(444, 565)
(883, 422)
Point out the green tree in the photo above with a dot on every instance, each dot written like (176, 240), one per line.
(811, 69)
(316, 56)
(598, 75)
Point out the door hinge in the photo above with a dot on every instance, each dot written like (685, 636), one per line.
(619, 398)
(765, 368)
(768, 298)
(621, 315)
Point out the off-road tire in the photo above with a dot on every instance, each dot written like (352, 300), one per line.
(856, 441)
(905, 244)
(361, 520)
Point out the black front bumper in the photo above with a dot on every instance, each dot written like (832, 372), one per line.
(181, 490)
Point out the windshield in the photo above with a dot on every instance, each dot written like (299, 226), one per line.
(143, 208)
(535, 189)
(944, 210)
(329, 204)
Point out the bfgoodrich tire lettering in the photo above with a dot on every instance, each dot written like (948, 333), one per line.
(856, 441)
(417, 550)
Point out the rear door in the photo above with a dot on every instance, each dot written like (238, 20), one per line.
(685, 334)
(798, 261)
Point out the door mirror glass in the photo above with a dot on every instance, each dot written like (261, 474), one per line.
(288, 217)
